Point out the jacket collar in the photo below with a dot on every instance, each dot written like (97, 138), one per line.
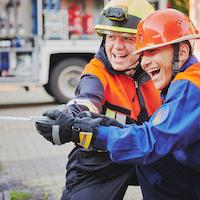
(190, 61)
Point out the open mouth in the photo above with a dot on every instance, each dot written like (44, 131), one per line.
(153, 72)
(119, 56)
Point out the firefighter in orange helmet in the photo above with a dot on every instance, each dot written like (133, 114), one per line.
(107, 86)
(165, 149)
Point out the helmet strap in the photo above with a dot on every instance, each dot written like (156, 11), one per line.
(135, 67)
(103, 41)
(175, 61)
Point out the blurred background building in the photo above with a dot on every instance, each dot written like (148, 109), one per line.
(48, 42)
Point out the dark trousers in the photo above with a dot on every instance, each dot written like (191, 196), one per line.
(167, 179)
(92, 175)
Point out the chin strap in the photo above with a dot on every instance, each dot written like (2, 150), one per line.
(135, 67)
(175, 61)
(103, 41)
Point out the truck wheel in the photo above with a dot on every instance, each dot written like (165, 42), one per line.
(48, 89)
(64, 79)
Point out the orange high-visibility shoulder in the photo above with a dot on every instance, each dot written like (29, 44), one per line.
(120, 93)
(151, 96)
(97, 68)
(191, 74)
(119, 90)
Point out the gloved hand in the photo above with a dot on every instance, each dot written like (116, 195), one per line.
(85, 127)
(62, 127)
(58, 129)
(106, 121)
(65, 108)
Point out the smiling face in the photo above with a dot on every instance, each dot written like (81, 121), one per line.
(119, 50)
(158, 64)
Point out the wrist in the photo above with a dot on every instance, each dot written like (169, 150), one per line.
(83, 138)
(75, 133)
(100, 141)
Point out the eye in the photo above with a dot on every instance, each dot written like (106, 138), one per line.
(151, 51)
(129, 39)
(111, 37)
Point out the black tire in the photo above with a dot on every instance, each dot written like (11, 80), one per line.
(64, 79)
(48, 89)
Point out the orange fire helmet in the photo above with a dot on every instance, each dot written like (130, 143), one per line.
(164, 27)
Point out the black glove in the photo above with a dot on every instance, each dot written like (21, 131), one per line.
(58, 129)
(105, 121)
(66, 109)
(62, 127)
(85, 127)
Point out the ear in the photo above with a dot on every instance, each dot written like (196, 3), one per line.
(184, 51)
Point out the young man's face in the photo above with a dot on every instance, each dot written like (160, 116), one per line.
(119, 50)
(158, 64)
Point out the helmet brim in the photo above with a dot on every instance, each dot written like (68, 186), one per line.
(102, 29)
(181, 39)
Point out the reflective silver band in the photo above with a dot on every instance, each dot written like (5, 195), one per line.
(121, 118)
(84, 102)
(55, 134)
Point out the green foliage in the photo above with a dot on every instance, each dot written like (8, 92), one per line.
(14, 195)
(182, 5)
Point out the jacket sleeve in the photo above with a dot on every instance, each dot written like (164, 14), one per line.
(175, 125)
(89, 95)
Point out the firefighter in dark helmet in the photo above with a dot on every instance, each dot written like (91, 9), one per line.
(112, 84)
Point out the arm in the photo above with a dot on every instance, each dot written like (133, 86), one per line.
(57, 130)
(174, 126)
(86, 99)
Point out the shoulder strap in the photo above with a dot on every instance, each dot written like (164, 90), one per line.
(140, 77)
(143, 116)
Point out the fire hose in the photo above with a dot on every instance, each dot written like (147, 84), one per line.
(42, 119)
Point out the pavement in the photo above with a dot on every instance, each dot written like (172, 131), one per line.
(29, 163)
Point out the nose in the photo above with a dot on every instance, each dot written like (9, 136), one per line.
(119, 44)
(145, 61)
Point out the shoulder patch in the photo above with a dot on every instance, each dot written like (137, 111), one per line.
(161, 115)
